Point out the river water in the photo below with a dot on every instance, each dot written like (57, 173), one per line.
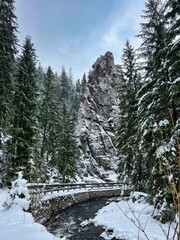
(67, 222)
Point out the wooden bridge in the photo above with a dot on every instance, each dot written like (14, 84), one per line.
(47, 200)
(64, 187)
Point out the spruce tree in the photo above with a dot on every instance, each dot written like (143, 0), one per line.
(25, 110)
(127, 142)
(172, 50)
(83, 84)
(65, 155)
(8, 42)
(47, 109)
(65, 87)
(172, 64)
(40, 79)
(153, 35)
(150, 97)
(49, 114)
(155, 107)
(8, 50)
(70, 78)
(76, 100)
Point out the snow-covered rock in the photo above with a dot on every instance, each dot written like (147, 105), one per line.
(97, 119)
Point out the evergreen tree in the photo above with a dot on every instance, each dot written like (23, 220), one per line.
(8, 41)
(153, 35)
(40, 79)
(56, 129)
(76, 100)
(172, 51)
(48, 118)
(8, 50)
(65, 87)
(83, 84)
(65, 156)
(25, 109)
(127, 142)
(70, 78)
(172, 64)
(155, 107)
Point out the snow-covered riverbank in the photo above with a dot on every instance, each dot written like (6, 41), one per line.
(19, 225)
(123, 220)
(131, 220)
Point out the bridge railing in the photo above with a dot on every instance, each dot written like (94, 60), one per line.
(50, 188)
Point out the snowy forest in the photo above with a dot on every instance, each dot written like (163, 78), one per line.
(40, 109)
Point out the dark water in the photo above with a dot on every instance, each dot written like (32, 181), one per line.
(67, 223)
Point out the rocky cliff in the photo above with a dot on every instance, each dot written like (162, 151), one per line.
(97, 120)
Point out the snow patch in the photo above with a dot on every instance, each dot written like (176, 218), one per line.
(19, 225)
(131, 220)
(163, 122)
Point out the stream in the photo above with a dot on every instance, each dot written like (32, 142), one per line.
(67, 222)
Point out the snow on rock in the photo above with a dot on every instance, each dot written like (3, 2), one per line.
(97, 119)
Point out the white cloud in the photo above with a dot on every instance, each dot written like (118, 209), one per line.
(111, 37)
(124, 25)
(80, 53)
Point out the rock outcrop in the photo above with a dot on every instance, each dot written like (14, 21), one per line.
(97, 119)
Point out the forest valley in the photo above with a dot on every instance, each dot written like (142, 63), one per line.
(121, 119)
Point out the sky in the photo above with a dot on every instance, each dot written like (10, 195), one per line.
(74, 33)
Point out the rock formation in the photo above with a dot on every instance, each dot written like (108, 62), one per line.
(97, 118)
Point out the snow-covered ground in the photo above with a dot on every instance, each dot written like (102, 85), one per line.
(19, 225)
(126, 220)
(131, 220)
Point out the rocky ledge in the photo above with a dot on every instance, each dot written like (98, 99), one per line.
(97, 119)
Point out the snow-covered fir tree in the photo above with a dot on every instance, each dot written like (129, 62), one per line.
(24, 135)
(48, 118)
(83, 84)
(8, 44)
(156, 110)
(40, 79)
(65, 87)
(19, 192)
(8, 50)
(127, 139)
(75, 104)
(66, 147)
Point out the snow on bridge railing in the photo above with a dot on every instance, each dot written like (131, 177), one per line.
(50, 188)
